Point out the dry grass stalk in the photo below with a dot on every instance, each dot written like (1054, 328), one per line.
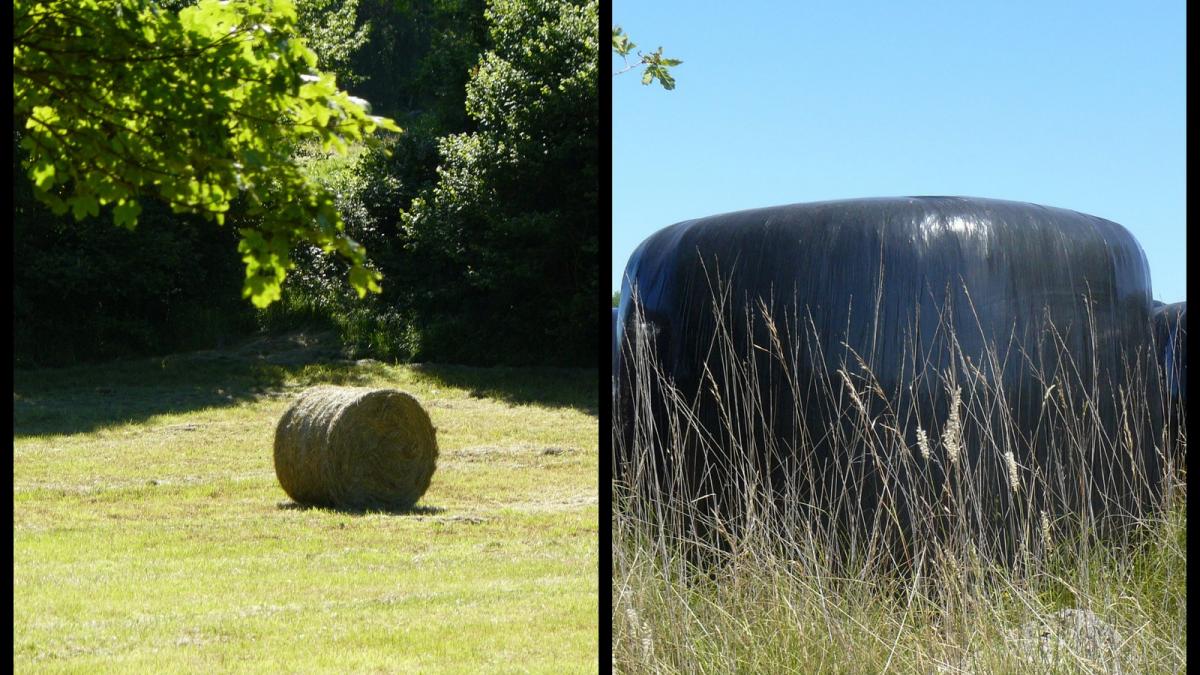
(736, 608)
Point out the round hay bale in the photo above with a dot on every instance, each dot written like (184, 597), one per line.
(355, 448)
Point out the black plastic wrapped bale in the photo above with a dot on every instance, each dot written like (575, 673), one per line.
(614, 335)
(866, 358)
(1170, 332)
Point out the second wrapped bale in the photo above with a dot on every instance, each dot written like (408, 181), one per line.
(355, 448)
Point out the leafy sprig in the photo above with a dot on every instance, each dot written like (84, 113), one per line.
(655, 66)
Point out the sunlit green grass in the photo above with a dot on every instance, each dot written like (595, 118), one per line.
(150, 534)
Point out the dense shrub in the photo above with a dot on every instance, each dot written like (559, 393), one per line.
(87, 291)
(507, 240)
(487, 239)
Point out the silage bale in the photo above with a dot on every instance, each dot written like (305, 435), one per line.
(614, 334)
(769, 324)
(355, 448)
(1170, 335)
(1170, 332)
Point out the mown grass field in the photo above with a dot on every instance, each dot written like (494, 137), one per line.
(150, 534)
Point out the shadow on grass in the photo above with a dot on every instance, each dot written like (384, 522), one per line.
(556, 387)
(418, 510)
(87, 398)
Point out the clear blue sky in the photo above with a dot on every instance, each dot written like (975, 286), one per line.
(1078, 105)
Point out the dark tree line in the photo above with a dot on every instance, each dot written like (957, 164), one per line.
(482, 216)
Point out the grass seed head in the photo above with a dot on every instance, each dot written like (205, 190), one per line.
(952, 438)
(1013, 479)
(853, 393)
(923, 443)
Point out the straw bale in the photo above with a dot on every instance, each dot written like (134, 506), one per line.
(355, 448)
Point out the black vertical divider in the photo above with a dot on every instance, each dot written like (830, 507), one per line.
(603, 357)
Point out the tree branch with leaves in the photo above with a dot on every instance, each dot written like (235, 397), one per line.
(124, 100)
(655, 65)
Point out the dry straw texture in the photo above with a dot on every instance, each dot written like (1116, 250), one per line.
(355, 448)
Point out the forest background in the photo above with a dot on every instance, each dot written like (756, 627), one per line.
(481, 215)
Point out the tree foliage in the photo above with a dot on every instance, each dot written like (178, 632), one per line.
(483, 215)
(511, 228)
(200, 108)
(420, 56)
(654, 65)
(86, 291)
(332, 30)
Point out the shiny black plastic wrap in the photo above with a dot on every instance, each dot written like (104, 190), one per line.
(1170, 331)
(880, 309)
(614, 335)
